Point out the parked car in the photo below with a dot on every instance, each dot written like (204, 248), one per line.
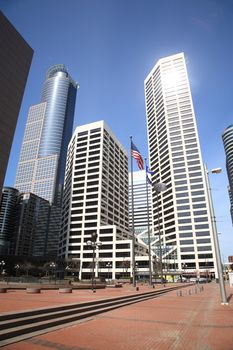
(199, 280)
(183, 279)
(203, 280)
(193, 279)
(158, 280)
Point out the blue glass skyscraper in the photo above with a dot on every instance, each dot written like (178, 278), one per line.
(47, 134)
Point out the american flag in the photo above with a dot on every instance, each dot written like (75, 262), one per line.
(136, 155)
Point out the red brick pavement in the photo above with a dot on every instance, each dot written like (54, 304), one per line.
(169, 322)
(18, 300)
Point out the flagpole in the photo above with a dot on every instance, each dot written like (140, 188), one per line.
(148, 228)
(132, 210)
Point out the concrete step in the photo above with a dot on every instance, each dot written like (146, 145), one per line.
(28, 324)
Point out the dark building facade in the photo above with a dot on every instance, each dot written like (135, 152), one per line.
(15, 60)
(32, 225)
(8, 212)
(25, 225)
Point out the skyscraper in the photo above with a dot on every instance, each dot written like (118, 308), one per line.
(141, 209)
(31, 225)
(24, 222)
(227, 137)
(140, 202)
(15, 61)
(181, 214)
(95, 202)
(8, 213)
(48, 131)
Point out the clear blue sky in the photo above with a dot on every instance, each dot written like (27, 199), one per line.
(109, 47)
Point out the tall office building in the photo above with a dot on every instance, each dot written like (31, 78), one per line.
(8, 213)
(227, 137)
(140, 202)
(95, 201)
(15, 61)
(184, 223)
(24, 222)
(142, 207)
(31, 225)
(48, 131)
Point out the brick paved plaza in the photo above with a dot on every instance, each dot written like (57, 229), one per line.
(194, 321)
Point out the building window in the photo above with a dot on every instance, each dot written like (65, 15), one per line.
(186, 235)
(203, 248)
(187, 241)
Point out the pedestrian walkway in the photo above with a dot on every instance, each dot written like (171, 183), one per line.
(194, 321)
(19, 300)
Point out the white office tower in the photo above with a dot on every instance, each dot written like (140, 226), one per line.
(142, 205)
(184, 223)
(96, 202)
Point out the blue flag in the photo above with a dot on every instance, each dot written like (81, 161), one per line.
(149, 172)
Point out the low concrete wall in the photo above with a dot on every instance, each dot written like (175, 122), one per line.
(74, 285)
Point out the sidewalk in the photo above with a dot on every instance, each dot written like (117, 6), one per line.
(19, 300)
(169, 322)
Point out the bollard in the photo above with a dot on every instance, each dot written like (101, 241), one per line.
(190, 292)
(179, 293)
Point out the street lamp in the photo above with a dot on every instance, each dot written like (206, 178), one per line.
(53, 266)
(93, 244)
(67, 269)
(109, 265)
(2, 264)
(17, 269)
(215, 238)
(159, 188)
(184, 266)
(136, 270)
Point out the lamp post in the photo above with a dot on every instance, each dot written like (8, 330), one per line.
(159, 187)
(148, 226)
(93, 244)
(53, 266)
(215, 239)
(184, 266)
(67, 269)
(109, 265)
(17, 269)
(136, 271)
(2, 264)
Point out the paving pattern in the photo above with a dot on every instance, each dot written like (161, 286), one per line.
(194, 321)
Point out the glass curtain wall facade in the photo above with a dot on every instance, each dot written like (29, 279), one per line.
(48, 131)
(24, 220)
(182, 212)
(31, 228)
(227, 138)
(140, 205)
(8, 212)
